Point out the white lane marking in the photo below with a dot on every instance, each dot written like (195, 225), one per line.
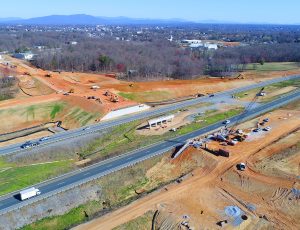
(129, 158)
(86, 173)
(61, 183)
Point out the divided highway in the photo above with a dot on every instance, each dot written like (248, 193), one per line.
(65, 182)
(126, 119)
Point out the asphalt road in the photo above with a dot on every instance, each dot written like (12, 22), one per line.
(54, 139)
(8, 203)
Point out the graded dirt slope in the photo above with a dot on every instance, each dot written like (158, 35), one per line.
(39, 86)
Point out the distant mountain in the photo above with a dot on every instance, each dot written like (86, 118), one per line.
(82, 19)
(9, 19)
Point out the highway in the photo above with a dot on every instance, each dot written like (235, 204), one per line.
(56, 138)
(65, 182)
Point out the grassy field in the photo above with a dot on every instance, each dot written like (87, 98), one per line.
(209, 118)
(26, 116)
(14, 177)
(273, 66)
(269, 89)
(147, 96)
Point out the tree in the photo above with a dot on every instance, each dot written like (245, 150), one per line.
(104, 61)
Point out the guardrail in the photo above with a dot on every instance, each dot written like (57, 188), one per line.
(135, 161)
(129, 118)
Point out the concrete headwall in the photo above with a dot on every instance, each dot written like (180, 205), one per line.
(125, 111)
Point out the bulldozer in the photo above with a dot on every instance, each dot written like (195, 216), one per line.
(114, 98)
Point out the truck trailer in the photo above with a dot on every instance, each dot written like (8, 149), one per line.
(29, 193)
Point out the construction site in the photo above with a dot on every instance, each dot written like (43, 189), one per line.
(247, 178)
(244, 175)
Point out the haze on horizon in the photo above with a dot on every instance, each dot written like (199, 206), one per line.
(239, 11)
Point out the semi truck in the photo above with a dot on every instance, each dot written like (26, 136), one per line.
(29, 193)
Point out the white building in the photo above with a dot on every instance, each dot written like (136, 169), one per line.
(211, 46)
(199, 44)
(26, 56)
(193, 41)
(0, 56)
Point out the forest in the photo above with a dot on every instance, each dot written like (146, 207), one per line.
(150, 55)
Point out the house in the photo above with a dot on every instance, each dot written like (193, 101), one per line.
(25, 56)
(211, 46)
(40, 47)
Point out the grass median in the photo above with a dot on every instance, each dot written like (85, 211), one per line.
(14, 177)
(124, 137)
(272, 91)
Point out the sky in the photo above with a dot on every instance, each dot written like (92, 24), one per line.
(241, 11)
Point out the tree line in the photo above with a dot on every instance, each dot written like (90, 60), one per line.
(155, 58)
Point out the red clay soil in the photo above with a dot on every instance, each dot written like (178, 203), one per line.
(203, 195)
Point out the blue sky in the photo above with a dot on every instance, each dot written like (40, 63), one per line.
(270, 11)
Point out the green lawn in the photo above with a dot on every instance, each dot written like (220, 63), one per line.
(13, 177)
(273, 66)
(147, 96)
(269, 88)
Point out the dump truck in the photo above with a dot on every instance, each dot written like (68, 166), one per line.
(29, 193)
(223, 153)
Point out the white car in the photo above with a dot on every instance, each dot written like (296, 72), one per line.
(44, 138)
(226, 122)
(267, 129)
(87, 128)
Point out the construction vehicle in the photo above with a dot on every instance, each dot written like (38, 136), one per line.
(107, 94)
(71, 90)
(48, 75)
(99, 100)
(240, 76)
(223, 153)
(114, 98)
(241, 166)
